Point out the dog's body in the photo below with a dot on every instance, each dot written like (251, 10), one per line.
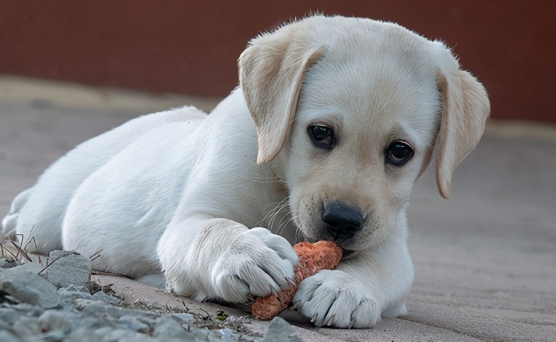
(334, 121)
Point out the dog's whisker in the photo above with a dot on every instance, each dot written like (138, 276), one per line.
(278, 207)
(273, 214)
(285, 221)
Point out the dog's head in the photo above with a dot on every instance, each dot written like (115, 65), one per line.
(354, 109)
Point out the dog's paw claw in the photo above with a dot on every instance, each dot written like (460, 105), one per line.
(333, 298)
(257, 264)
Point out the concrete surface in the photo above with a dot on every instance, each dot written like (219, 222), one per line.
(485, 260)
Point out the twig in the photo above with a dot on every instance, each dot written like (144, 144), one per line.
(205, 311)
(19, 250)
(6, 249)
(96, 255)
(18, 247)
(35, 242)
(28, 242)
(97, 273)
(48, 264)
(36, 247)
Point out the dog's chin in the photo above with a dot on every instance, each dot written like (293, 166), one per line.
(349, 251)
(348, 254)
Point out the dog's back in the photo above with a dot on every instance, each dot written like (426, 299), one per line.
(36, 214)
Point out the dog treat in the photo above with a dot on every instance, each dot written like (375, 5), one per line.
(312, 258)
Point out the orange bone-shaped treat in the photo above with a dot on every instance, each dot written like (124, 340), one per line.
(312, 258)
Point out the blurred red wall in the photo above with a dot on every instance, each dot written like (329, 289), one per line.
(191, 47)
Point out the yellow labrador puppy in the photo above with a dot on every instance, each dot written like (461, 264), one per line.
(334, 120)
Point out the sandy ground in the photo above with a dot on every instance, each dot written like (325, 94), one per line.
(485, 260)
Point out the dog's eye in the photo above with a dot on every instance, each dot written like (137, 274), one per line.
(322, 136)
(398, 153)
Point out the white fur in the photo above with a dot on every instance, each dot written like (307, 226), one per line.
(181, 193)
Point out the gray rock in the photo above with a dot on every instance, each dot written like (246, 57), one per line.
(30, 267)
(143, 338)
(167, 328)
(57, 320)
(227, 335)
(115, 335)
(150, 321)
(100, 334)
(106, 311)
(6, 263)
(185, 318)
(28, 309)
(280, 331)
(72, 292)
(5, 326)
(103, 297)
(82, 317)
(82, 303)
(201, 334)
(27, 327)
(103, 330)
(53, 336)
(134, 324)
(9, 316)
(67, 268)
(84, 334)
(29, 288)
(86, 323)
(71, 288)
(6, 336)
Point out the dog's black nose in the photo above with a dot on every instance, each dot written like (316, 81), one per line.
(342, 221)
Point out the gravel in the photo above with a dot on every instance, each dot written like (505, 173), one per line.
(58, 302)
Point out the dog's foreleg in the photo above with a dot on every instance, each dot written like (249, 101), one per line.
(221, 259)
(361, 289)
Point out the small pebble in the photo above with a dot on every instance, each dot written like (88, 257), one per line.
(67, 268)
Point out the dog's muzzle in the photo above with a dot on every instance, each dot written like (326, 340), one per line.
(342, 221)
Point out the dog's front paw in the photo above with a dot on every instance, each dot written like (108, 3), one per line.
(256, 264)
(336, 299)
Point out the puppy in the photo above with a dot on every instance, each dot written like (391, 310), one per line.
(334, 120)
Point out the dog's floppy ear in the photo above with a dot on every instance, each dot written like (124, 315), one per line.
(271, 72)
(465, 110)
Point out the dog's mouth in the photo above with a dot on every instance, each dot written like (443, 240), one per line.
(347, 253)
